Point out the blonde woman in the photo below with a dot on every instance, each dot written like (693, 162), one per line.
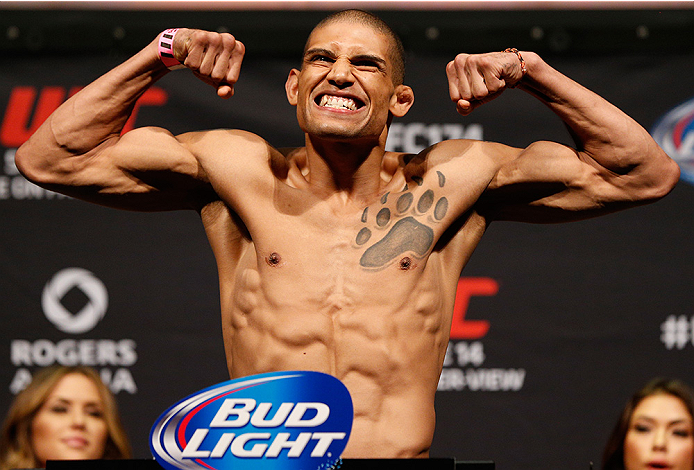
(66, 413)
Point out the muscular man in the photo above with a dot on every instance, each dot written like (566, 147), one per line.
(338, 256)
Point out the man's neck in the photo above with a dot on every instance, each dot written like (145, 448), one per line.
(351, 169)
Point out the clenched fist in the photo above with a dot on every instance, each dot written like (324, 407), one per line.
(476, 79)
(214, 58)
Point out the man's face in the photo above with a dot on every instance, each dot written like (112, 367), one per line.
(344, 90)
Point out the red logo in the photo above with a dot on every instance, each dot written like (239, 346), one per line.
(467, 288)
(25, 112)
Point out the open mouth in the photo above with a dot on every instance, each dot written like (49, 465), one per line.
(658, 465)
(76, 442)
(338, 102)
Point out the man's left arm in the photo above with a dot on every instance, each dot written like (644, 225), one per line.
(615, 164)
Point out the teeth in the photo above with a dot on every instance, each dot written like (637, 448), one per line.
(338, 102)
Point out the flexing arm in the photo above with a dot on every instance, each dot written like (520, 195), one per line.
(79, 149)
(616, 164)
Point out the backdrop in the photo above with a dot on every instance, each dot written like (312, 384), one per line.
(555, 326)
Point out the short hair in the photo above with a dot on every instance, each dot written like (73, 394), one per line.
(613, 455)
(396, 50)
(16, 450)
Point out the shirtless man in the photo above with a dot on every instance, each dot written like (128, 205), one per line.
(338, 256)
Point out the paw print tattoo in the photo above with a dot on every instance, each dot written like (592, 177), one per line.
(407, 234)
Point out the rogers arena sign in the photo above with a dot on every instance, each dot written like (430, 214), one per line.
(280, 420)
(90, 315)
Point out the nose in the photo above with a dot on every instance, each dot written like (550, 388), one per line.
(78, 419)
(660, 440)
(340, 73)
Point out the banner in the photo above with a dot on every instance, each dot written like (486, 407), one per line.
(555, 326)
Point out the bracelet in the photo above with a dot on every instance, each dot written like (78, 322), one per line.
(524, 68)
(165, 48)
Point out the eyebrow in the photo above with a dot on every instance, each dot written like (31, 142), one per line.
(319, 50)
(374, 58)
(669, 423)
(66, 401)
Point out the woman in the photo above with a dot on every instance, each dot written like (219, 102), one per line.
(654, 430)
(66, 413)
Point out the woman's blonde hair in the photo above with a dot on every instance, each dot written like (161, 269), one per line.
(16, 450)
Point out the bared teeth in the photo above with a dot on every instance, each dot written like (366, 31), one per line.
(338, 102)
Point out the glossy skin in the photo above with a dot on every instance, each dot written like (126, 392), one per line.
(338, 256)
(660, 435)
(340, 63)
(70, 424)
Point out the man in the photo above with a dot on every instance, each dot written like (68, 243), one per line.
(339, 256)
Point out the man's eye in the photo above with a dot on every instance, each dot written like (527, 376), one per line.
(320, 58)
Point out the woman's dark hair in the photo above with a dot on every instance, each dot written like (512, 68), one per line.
(613, 455)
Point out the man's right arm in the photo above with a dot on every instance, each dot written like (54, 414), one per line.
(79, 150)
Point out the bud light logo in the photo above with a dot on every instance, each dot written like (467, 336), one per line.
(674, 132)
(281, 420)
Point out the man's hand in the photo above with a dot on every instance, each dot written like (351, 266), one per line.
(214, 58)
(476, 79)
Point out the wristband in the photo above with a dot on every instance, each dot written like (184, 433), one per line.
(165, 48)
(524, 68)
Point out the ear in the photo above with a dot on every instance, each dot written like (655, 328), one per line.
(402, 100)
(292, 86)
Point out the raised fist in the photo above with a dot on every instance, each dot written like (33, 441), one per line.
(215, 58)
(478, 78)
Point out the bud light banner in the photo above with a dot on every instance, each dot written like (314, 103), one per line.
(281, 420)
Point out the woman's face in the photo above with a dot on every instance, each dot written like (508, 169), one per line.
(70, 424)
(659, 435)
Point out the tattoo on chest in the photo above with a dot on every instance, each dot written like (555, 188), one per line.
(408, 227)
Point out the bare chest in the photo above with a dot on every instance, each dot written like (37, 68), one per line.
(398, 229)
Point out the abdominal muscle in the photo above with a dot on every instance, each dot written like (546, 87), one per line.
(383, 334)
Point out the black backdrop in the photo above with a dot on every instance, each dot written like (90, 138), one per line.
(572, 318)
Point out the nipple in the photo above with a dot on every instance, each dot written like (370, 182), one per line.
(406, 263)
(273, 260)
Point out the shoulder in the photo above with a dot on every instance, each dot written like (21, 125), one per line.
(216, 142)
(241, 157)
(231, 150)
(461, 158)
(466, 151)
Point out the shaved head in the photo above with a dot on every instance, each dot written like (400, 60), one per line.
(396, 51)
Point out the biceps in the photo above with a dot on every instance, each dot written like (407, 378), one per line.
(142, 160)
(550, 182)
(145, 169)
